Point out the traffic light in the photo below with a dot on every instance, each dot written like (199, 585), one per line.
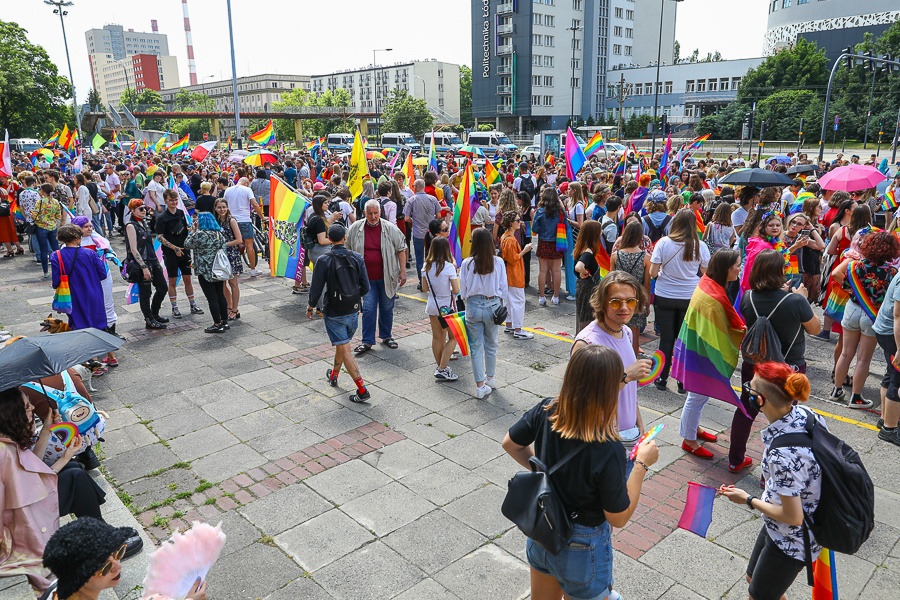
(888, 68)
(848, 59)
(868, 64)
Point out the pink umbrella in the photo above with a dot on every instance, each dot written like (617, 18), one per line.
(851, 178)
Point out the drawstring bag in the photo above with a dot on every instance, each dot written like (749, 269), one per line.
(221, 266)
(562, 245)
(62, 298)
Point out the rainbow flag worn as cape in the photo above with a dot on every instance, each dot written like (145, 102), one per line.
(595, 144)
(286, 210)
(708, 347)
(797, 204)
(698, 509)
(180, 146)
(602, 259)
(491, 174)
(456, 323)
(264, 136)
(460, 226)
(859, 291)
(115, 140)
(890, 200)
(701, 226)
(825, 585)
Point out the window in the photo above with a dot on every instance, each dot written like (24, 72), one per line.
(617, 30)
(627, 50)
(575, 63)
(535, 100)
(548, 100)
(701, 85)
(689, 110)
(689, 86)
(548, 40)
(668, 87)
(617, 49)
(535, 60)
(713, 85)
(649, 87)
(639, 89)
(538, 19)
(576, 23)
(785, 3)
(548, 81)
(619, 13)
(537, 39)
(802, 2)
(550, 21)
(576, 4)
(576, 44)
(723, 84)
(536, 81)
(629, 32)
(629, 14)
(574, 82)
(548, 61)
(735, 83)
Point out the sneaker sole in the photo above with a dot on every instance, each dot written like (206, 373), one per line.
(860, 406)
(892, 439)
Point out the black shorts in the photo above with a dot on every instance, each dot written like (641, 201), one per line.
(174, 263)
(771, 571)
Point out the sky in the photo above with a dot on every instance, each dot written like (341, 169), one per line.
(309, 37)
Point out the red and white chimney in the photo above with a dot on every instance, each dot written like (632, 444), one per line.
(192, 66)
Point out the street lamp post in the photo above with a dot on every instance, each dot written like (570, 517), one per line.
(424, 91)
(60, 4)
(237, 110)
(573, 29)
(375, 74)
(662, 10)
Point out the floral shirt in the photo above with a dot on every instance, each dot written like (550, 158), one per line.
(28, 199)
(205, 244)
(875, 280)
(791, 471)
(47, 214)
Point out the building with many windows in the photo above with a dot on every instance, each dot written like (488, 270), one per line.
(537, 62)
(831, 24)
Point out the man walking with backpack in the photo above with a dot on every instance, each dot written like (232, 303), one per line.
(344, 272)
(526, 182)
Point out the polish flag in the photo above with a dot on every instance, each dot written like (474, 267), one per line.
(202, 151)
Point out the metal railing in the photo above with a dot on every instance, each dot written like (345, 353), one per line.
(504, 69)
(504, 109)
(505, 8)
(441, 117)
(504, 90)
(504, 50)
(506, 28)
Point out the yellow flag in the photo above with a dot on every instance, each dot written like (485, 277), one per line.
(359, 169)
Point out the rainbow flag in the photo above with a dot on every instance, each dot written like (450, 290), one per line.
(797, 204)
(456, 323)
(698, 509)
(664, 162)
(160, 144)
(825, 585)
(228, 144)
(76, 139)
(115, 140)
(491, 174)
(575, 157)
(698, 141)
(620, 168)
(595, 144)
(460, 234)
(793, 266)
(286, 210)
(890, 200)
(312, 144)
(16, 211)
(53, 139)
(708, 347)
(144, 144)
(602, 259)
(701, 226)
(410, 172)
(264, 136)
(180, 146)
(859, 290)
(432, 155)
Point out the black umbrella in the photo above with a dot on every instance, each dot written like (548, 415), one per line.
(40, 356)
(798, 169)
(757, 178)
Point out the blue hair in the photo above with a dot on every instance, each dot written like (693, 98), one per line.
(207, 221)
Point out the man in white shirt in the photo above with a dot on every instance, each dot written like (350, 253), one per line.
(241, 200)
(527, 180)
(388, 206)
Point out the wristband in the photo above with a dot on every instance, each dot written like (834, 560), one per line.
(638, 461)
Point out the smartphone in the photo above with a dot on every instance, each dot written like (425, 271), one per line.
(805, 232)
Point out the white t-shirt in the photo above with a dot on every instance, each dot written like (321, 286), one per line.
(238, 198)
(83, 202)
(112, 181)
(157, 189)
(440, 283)
(739, 216)
(576, 210)
(677, 278)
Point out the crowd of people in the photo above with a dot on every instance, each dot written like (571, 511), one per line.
(639, 241)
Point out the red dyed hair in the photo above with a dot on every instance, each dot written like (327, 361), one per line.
(795, 386)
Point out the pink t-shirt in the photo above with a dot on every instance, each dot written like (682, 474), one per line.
(595, 335)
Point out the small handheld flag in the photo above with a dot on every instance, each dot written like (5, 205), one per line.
(648, 435)
(697, 515)
(658, 362)
(825, 585)
(890, 200)
(456, 323)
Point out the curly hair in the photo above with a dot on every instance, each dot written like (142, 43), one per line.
(880, 247)
(14, 422)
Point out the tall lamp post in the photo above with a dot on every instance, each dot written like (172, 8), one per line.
(375, 74)
(573, 29)
(60, 5)
(424, 91)
(656, 84)
(234, 87)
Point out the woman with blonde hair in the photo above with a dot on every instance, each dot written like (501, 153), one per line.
(507, 203)
(576, 433)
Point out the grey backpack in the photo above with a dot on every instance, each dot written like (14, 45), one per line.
(761, 342)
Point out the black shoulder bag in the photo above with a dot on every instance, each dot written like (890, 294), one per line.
(534, 506)
(443, 310)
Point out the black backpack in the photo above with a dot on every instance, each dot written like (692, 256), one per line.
(527, 185)
(343, 285)
(306, 240)
(5, 208)
(761, 342)
(845, 516)
(657, 231)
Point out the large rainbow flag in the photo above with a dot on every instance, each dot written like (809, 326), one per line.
(491, 174)
(595, 144)
(825, 585)
(409, 171)
(53, 139)
(698, 141)
(181, 145)
(264, 136)
(575, 157)
(708, 346)
(460, 234)
(797, 204)
(286, 210)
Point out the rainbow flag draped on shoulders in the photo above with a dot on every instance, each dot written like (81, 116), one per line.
(709, 344)
(264, 136)
(797, 204)
(286, 210)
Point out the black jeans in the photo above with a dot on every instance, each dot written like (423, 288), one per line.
(150, 308)
(78, 493)
(892, 378)
(215, 296)
(669, 314)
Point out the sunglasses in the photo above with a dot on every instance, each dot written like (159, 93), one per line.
(107, 567)
(445, 230)
(617, 303)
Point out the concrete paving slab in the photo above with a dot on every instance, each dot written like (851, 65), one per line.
(489, 572)
(427, 589)
(256, 571)
(634, 579)
(254, 380)
(443, 482)
(256, 424)
(348, 481)
(469, 450)
(266, 351)
(456, 541)
(233, 406)
(431, 429)
(228, 462)
(300, 589)
(480, 510)
(378, 573)
(388, 508)
(283, 442)
(323, 539)
(336, 422)
(401, 459)
(136, 463)
(127, 438)
(201, 443)
(284, 509)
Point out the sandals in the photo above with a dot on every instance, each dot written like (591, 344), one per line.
(362, 349)
(390, 343)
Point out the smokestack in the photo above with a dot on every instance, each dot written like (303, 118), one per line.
(153, 26)
(192, 66)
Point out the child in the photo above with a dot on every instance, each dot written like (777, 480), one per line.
(512, 252)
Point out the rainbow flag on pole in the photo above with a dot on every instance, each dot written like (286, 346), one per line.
(264, 136)
(409, 171)
(698, 141)
(709, 344)
(460, 234)
(180, 146)
(825, 585)
(890, 200)
(575, 157)
(432, 155)
(620, 168)
(160, 144)
(595, 144)
(491, 174)
(286, 210)
(53, 139)
(456, 323)
(664, 162)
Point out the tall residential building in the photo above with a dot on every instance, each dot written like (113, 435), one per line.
(535, 63)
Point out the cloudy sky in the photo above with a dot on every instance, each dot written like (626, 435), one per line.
(309, 37)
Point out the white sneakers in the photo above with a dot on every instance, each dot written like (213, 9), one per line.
(489, 381)
(255, 272)
(542, 301)
(483, 391)
(523, 335)
(555, 300)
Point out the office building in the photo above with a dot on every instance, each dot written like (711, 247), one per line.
(536, 63)
(831, 24)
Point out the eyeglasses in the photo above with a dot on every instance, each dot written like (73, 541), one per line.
(617, 303)
(447, 230)
(108, 566)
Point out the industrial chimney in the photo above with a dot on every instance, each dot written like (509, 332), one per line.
(153, 26)
(192, 66)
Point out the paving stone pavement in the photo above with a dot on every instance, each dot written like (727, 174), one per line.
(400, 497)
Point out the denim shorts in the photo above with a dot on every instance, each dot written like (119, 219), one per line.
(855, 319)
(583, 568)
(341, 329)
(246, 230)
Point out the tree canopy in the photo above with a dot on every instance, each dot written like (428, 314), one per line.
(465, 96)
(32, 93)
(802, 66)
(405, 113)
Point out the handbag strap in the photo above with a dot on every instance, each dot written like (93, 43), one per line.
(564, 459)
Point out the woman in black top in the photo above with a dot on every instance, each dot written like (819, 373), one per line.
(586, 248)
(317, 228)
(139, 246)
(592, 483)
(526, 213)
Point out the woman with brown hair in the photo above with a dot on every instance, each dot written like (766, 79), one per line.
(587, 247)
(546, 219)
(441, 283)
(579, 427)
(507, 202)
(633, 258)
(234, 241)
(719, 233)
(139, 248)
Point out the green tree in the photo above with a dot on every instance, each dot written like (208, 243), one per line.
(802, 66)
(296, 98)
(405, 113)
(783, 110)
(339, 98)
(636, 126)
(465, 96)
(94, 100)
(32, 93)
(676, 53)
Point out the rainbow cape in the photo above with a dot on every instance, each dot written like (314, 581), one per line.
(708, 347)
(456, 323)
(859, 291)
(460, 226)
(264, 136)
(797, 204)
(115, 140)
(701, 226)
(286, 210)
(575, 157)
(180, 146)
(825, 585)
(890, 200)
(595, 144)
(602, 259)
(228, 147)
(491, 174)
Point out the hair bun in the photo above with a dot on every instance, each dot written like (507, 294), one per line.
(797, 387)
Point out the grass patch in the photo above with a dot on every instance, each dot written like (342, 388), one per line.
(178, 514)
(538, 366)
(210, 501)
(204, 485)
(173, 486)
(161, 522)
(267, 540)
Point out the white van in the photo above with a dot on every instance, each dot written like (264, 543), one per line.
(24, 144)
(400, 140)
(339, 142)
(444, 141)
(491, 141)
